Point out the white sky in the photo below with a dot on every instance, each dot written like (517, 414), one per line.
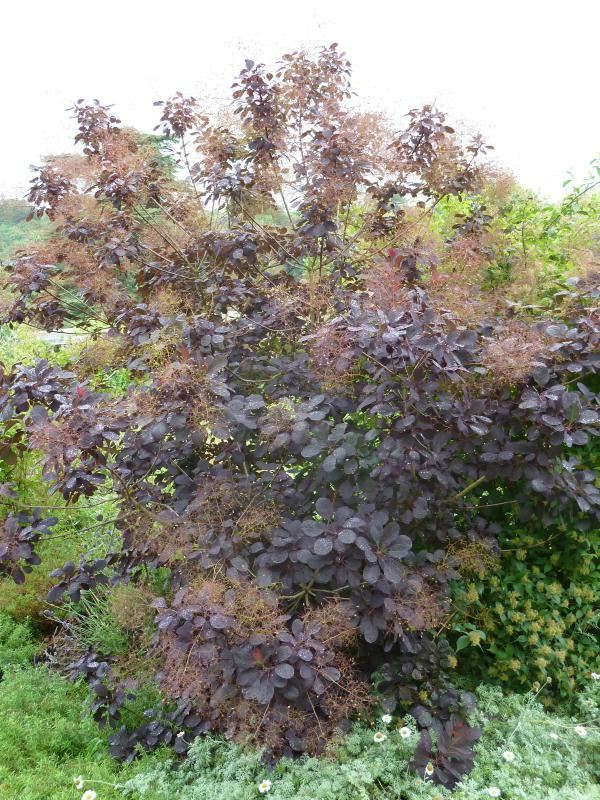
(524, 73)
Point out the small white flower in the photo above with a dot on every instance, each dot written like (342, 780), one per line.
(379, 737)
(595, 676)
(181, 734)
(78, 781)
(509, 756)
(264, 786)
(580, 730)
(429, 770)
(494, 791)
(89, 795)
(553, 736)
(386, 719)
(405, 732)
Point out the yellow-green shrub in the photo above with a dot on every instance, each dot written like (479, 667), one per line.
(534, 618)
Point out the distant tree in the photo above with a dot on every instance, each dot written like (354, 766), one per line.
(14, 230)
(13, 211)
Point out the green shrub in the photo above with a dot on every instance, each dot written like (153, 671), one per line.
(21, 344)
(536, 617)
(530, 244)
(113, 382)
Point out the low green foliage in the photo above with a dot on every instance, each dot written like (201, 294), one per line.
(550, 759)
(113, 382)
(95, 627)
(82, 527)
(28, 600)
(80, 530)
(17, 645)
(554, 757)
(47, 737)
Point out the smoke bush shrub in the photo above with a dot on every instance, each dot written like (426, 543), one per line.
(313, 443)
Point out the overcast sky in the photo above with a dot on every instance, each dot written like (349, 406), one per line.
(526, 74)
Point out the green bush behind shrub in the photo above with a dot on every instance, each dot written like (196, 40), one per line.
(536, 617)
